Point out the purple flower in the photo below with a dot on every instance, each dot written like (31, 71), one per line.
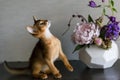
(112, 19)
(84, 33)
(93, 4)
(112, 31)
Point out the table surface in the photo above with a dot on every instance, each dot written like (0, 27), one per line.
(81, 72)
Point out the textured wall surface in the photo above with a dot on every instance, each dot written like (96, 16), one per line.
(16, 43)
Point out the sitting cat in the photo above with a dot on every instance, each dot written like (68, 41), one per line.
(46, 51)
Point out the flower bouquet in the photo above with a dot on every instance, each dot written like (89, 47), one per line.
(97, 36)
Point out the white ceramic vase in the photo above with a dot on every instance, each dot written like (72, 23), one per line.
(95, 57)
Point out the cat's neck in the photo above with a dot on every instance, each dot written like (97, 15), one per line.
(47, 35)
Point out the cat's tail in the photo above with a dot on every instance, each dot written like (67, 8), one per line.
(16, 71)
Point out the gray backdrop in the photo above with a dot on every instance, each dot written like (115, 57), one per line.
(16, 43)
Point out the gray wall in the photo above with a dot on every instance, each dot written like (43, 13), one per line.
(16, 43)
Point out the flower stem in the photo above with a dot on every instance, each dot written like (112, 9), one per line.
(74, 16)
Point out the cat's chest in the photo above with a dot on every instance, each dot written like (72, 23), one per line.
(50, 50)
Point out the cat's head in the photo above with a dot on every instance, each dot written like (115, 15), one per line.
(39, 27)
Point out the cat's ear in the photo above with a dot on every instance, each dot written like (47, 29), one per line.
(34, 18)
(30, 29)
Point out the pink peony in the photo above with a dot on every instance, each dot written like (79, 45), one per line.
(84, 33)
(98, 41)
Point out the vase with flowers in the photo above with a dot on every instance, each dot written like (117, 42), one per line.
(95, 38)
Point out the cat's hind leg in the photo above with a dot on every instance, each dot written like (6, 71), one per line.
(53, 69)
(47, 70)
(36, 71)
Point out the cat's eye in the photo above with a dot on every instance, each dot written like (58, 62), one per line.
(42, 23)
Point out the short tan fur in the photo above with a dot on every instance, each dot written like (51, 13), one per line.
(46, 51)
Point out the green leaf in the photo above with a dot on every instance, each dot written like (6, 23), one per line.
(104, 11)
(113, 9)
(90, 19)
(78, 47)
(88, 45)
(112, 2)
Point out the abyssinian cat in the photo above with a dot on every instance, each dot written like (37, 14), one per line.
(46, 51)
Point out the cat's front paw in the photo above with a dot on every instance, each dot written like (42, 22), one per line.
(58, 75)
(70, 68)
